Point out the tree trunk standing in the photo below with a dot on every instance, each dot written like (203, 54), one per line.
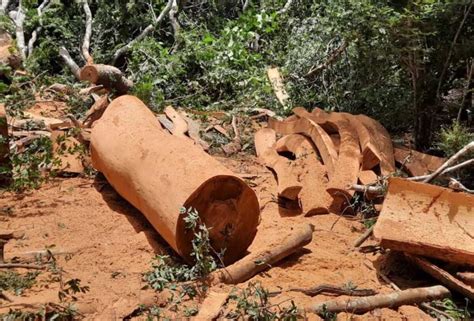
(424, 116)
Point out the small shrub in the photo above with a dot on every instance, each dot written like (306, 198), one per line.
(16, 282)
(452, 139)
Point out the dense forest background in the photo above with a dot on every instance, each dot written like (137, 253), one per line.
(407, 63)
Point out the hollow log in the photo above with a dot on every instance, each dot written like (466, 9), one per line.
(254, 263)
(390, 300)
(108, 76)
(160, 173)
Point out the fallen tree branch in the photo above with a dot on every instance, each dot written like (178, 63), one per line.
(70, 62)
(466, 149)
(425, 306)
(150, 28)
(88, 33)
(250, 265)
(458, 186)
(390, 300)
(446, 171)
(34, 35)
(367, 189)
(334, 55)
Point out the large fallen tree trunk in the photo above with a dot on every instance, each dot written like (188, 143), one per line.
(390, 300)
(159, 174)
(108, 76)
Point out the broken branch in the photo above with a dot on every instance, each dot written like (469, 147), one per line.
(18, 18)
(34, 35)
(334, 55)
(19, 265)
(70, 62)
(446, 171)
(150, 28)
(466, 149)
(390, 300)
(109, 76)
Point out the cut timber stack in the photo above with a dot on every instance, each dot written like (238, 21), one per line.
(329, 152)
(160, 173)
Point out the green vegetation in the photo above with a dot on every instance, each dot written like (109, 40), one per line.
(16, 282)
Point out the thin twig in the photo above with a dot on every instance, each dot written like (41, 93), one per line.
(458, 186)
(285, 7)
(334, 55)
(364, 236)
(367, 189)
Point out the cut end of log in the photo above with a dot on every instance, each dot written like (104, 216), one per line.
(90, 73)
(229, 209)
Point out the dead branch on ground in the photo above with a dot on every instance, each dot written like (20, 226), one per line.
(390, 300)
(364, 236)
(458, 186)
(330, 290)
(467, 163)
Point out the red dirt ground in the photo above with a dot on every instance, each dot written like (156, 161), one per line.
(107, 244)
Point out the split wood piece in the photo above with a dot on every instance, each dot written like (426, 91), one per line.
(278, 86)
(317, 134)
(96, 111)
(254, 263)
(194, 130)
(109, 76)
(314, 198)
(390, 300)
(212, 305)
(165, 122)
(466, 277)
(50, 122)
(180, 127)
(427, 220)
(67, 150)
(442, 276)
(9, 235)
(367, 177)
(381, 141)
(159, 175)
(5, 179)
(416, 163)
(319, 117)
(347, 165)
(286, 172)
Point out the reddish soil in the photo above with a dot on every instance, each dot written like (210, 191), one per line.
(107, 244)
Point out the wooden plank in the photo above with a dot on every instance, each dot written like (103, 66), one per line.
(427, 220)
(416, 163)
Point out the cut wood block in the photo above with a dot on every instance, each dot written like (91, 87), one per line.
(314, 198)
(180, 127)
(427, 220)
(4, 146)
(211, 307)
(278, 86)
(318, 135)
(367, 177)
(416, 163)
(442, 276)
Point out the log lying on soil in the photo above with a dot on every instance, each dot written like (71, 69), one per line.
(4, 147)
(159, 173)
(427, 220)
(390, 300)
(109, 76)
(252, 264)
(442, 276)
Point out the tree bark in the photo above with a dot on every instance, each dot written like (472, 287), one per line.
(108, 76)
(70, 62)
(390, 300)
(88, 33)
